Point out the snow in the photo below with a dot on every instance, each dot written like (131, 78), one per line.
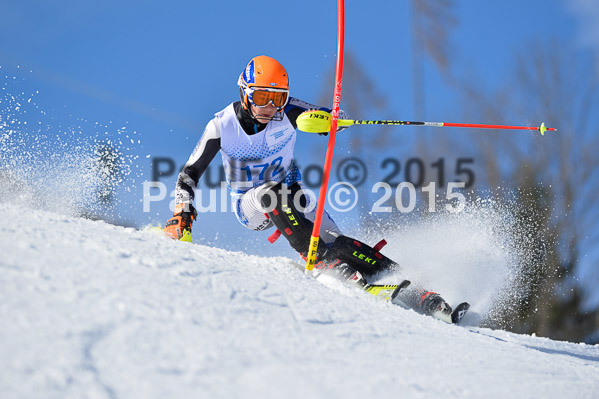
(92, 310)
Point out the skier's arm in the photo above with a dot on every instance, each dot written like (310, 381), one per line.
(295, 107)
(198, 162)
(179, 226)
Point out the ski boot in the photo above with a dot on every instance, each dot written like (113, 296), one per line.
(350, 275)
(341, 271)
(433, 304)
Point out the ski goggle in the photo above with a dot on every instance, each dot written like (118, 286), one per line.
(262, 97)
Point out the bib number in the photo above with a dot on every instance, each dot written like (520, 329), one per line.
(261, 169)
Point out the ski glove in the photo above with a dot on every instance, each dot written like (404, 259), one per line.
(179, 226)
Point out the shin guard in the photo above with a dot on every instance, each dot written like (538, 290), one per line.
(288, 220)
(364, 258)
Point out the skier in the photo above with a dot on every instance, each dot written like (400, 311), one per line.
(256, 138)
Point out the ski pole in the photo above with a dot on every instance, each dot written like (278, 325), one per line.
(320, 122)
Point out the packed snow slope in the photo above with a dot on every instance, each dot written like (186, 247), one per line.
(91, 310)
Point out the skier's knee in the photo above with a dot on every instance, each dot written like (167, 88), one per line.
(278, 203)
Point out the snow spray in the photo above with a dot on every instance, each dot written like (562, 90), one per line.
(478, 255)
(73, 169)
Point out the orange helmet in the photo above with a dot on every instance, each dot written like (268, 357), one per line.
(264, 74)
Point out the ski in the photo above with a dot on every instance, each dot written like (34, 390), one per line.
(387, 292)
(459, 312)
(186, 237)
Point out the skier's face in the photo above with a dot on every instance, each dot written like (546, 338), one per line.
(264, 114)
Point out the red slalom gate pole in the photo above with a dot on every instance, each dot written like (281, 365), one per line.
(332, 136)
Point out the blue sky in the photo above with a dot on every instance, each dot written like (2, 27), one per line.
(162, 69)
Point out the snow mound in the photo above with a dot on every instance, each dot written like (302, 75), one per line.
(94, 310)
